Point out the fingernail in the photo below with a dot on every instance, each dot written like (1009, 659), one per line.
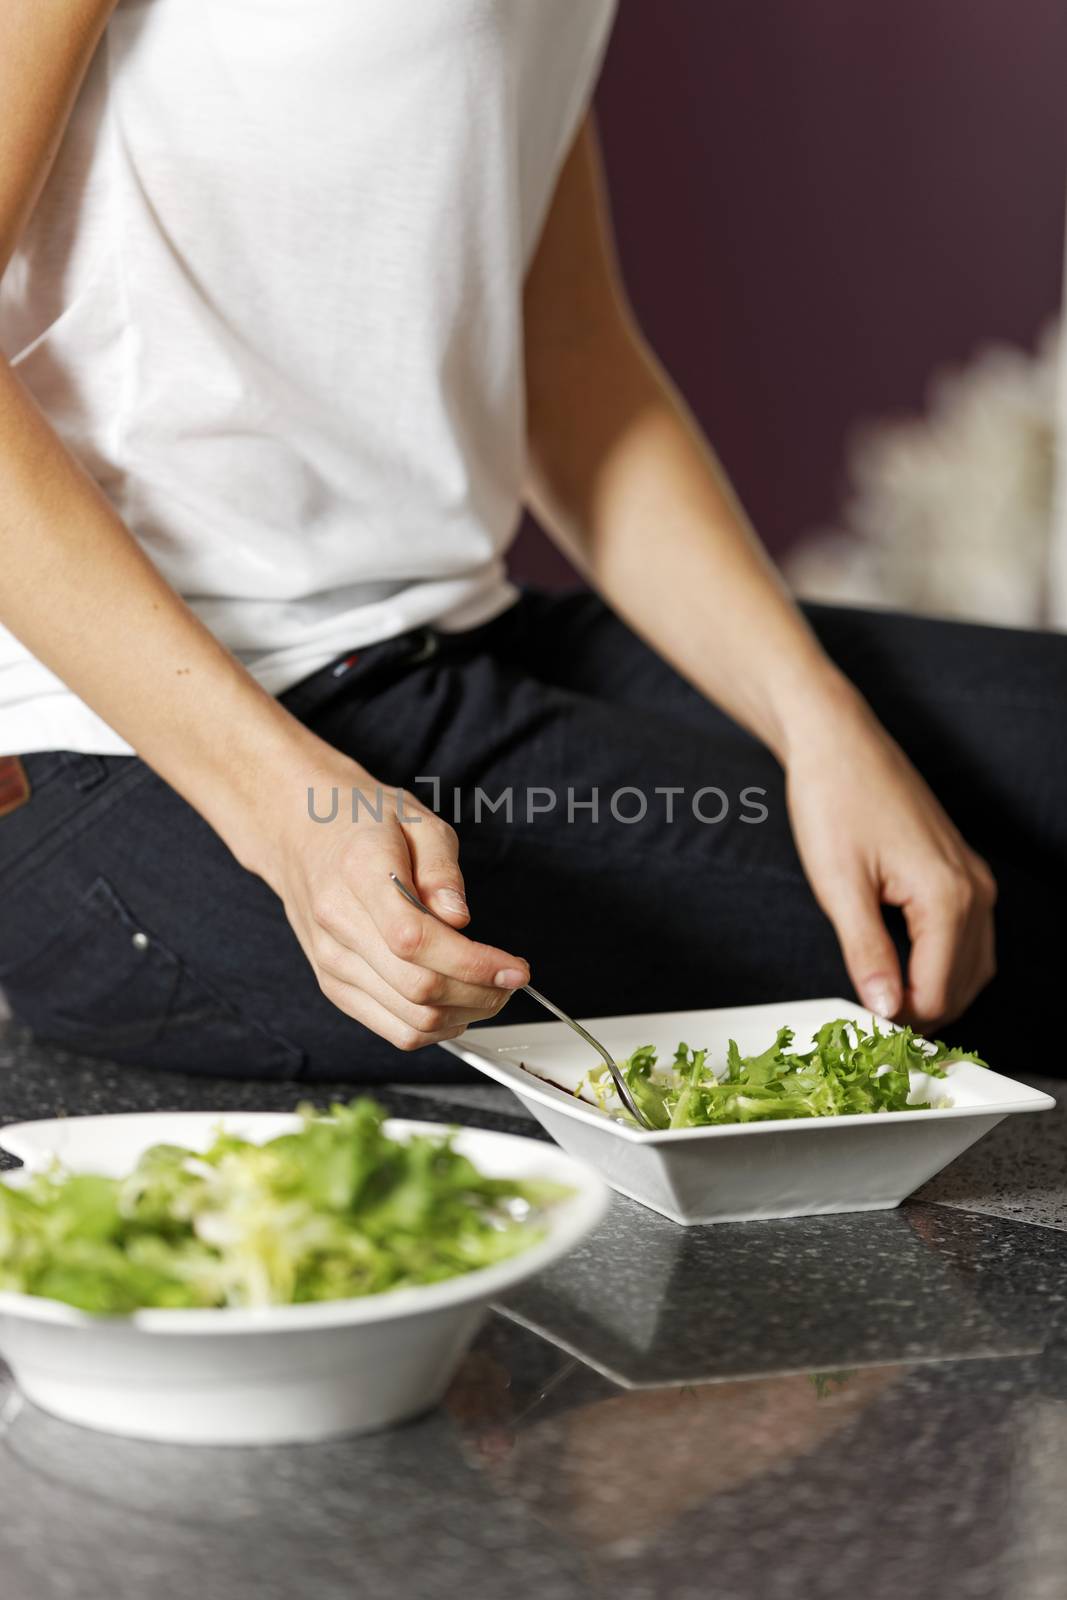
(452, 900)
(881, 998)
(510, 978)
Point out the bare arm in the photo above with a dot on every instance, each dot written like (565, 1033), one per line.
(45, 50)
(80, 593)
(623, 479)
(636, 475)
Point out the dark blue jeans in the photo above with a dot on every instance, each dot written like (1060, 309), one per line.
(130, 932)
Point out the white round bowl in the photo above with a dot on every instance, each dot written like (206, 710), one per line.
(283, 1373)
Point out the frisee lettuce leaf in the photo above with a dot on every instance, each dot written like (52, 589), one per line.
(848, 1070)
(338, 1209)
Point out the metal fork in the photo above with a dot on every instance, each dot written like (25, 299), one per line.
(622, 1088)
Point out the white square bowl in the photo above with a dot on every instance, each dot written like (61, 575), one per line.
(741, 1172)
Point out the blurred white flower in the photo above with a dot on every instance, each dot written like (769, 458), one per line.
(951, 513)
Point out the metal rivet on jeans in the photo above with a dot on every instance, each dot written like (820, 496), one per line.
(140, 941)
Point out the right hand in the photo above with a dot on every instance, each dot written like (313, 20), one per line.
(403, 974)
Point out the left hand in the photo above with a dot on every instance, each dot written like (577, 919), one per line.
(870, 833)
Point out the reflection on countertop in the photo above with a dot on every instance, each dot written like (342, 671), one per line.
(827, 1408)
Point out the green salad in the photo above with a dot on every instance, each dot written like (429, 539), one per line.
(847, 1070)
(334, 1210)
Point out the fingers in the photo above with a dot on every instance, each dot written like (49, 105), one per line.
(361, 908)
(874, 833)
(950, 922)
(931, 976)
(408, 974)
(423, 986)
(853, 907)
(397, 969)
(423, 999)
(357, 1003)
(412, 937)
(438, 881)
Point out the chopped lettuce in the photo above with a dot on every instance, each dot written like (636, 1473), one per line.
(338, 1209)
(847, 1071)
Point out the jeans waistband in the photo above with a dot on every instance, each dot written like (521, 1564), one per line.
(372, 666)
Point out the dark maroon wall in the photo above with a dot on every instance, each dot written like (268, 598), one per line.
(818, 202)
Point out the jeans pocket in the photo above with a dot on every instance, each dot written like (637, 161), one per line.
(69, 791)
(102, 984)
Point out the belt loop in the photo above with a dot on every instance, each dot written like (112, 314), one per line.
(424, 644)
(88, 770)
(94, 771)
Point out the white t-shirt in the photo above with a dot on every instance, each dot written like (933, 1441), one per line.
(271, 298)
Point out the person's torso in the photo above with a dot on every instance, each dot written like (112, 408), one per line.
(271, 296)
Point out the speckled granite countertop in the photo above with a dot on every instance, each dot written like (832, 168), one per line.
(823, 1408)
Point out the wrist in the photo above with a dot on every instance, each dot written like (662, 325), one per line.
(262, 790)
(308, 788)
(819, 712)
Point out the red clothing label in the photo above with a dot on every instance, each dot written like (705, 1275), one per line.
(14, 784)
